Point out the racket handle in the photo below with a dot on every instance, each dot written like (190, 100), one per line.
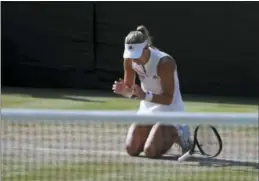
(184, 156)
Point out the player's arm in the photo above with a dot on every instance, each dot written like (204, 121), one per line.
(124, 87)
(165, 71)
(129, 73)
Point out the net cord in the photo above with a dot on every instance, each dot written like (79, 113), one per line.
(45, 115)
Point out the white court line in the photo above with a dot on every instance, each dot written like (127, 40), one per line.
(108, 152)
(65, 150)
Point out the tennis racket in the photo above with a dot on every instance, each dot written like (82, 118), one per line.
(207, 141)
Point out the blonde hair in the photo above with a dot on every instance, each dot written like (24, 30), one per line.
(140, 35)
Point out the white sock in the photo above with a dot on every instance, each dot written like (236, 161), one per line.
(179, 130)
(183, 128)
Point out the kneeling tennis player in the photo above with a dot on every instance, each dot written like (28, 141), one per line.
(159, 92)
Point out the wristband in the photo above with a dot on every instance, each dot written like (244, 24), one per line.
(148, 96)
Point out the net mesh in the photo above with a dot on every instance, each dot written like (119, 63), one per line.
(95, 150)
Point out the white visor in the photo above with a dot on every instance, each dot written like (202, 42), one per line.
(134, 51)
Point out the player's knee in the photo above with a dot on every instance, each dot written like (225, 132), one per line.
(132, 150)
(133, 146)
(151, 151)
(159, 141)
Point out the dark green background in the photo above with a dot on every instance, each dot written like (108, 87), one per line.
(80, 44)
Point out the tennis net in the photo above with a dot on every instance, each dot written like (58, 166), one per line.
(51, 145)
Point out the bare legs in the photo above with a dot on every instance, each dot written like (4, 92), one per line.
(153, 140)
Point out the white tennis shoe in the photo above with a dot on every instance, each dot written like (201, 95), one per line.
(184, 138)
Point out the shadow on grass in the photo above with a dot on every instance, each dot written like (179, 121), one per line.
(211, 162)
(69, 94)
(81, 94)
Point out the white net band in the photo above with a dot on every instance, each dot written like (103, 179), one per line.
(128, 117)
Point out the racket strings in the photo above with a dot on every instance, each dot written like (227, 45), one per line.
(208, 140)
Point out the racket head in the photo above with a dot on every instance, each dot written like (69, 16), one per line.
(208, 140)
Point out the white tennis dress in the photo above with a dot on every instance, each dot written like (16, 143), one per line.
(150, 81)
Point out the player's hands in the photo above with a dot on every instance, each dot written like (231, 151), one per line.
(138, 92)
(119, 87)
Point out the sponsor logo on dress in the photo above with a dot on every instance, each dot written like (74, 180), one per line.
(155, 77)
